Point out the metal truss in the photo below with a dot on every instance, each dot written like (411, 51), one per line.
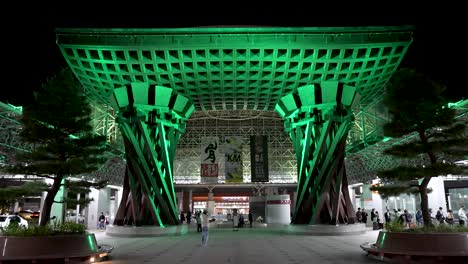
(112, 171)
(365, 142)
(103, 121)
(367, 126)
(237, 71)
(235, 68)
(282, 160)
(362, 165)
(152, 119)
(318, 118)
(9, 132)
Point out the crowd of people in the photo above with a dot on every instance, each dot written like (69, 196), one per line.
(406, 219)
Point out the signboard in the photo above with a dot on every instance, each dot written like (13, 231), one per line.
(259, 158)
(233, 155)
(209, 157)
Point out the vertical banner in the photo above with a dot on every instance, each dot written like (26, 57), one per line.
(233, 155)
(209, 157)
(259, 158)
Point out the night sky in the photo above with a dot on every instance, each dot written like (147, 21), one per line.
(32, 54)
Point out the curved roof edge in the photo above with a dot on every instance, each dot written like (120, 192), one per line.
(234, 30)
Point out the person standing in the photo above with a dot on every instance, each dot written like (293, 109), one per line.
(189, 217)
(199, 221)
(372, 215)
(250, 218)
(359, 215)
(419, 218)
(449, 218)
(102, 219)
(235, 220)
(241, 220)
(408, 218)
(205, 221)
(440, 215)
(387, 216)
(107, 219)
(182, 217)
(462, 216)
(364, 217)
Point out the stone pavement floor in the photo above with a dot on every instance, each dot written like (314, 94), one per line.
(246, 246)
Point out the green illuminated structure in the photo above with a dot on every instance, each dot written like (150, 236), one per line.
(152, 119)
(231, 69)
(318, 118)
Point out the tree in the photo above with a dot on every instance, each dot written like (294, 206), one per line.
(57, 125)
(416, 105)
(8, 195)
(80, 187)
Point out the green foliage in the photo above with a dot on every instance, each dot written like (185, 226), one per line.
(395, 189)
(8, 195)
(70, 228)
(67, 228)
(72, 202)
(80, 187)
(447, 141)
(394, 226)
(58, 125)
(397, 227)
(416, 105)
(402, 173)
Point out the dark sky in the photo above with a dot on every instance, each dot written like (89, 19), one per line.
(32, 54)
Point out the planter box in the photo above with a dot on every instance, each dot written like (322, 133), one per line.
(48, 247)
(419, 244)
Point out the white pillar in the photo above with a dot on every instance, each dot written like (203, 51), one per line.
(100, 204)
(180, 197)
(190, 201)
(16, 207)
(77, 219)
(211, 203)
(58, 209)
(112, 211)
(116, 204)
(43, 196)
(437, 196)
(378, 205)
(93, 208)
(278, 209)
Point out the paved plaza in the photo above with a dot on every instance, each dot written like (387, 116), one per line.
(246, 246)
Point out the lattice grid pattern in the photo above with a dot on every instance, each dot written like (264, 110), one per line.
(282, 160)
(230, 70)
(367, 127)
(9, 132)
(152, 119)
(364, 163)
(318, 118)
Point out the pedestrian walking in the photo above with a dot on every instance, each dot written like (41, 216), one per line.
(205, 222)
(462, 216)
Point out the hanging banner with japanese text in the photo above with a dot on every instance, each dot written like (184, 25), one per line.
(259, 158)
(233, 155)
(209, 157)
